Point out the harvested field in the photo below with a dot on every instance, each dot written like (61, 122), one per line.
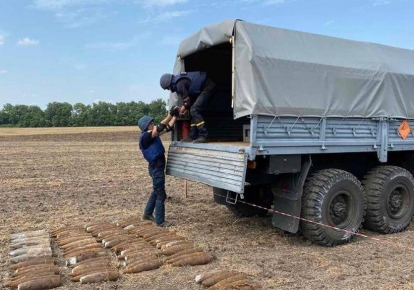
(54, 177)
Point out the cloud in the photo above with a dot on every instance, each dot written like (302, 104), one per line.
(161, 3)
(27, 42)
(267, 2)
(80, 17)
(167, 16)
(1, 40)
(55, 5)
(380, 2)
(3, 72)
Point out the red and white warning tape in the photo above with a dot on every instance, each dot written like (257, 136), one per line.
(327, 226)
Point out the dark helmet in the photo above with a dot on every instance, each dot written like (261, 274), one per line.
(165, 81)
(144, 121)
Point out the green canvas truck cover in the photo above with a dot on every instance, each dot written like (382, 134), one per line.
(280, 72)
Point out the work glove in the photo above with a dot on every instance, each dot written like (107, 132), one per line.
(175, 111)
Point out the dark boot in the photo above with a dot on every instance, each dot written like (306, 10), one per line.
(201, 139)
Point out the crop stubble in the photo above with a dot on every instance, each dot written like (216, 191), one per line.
(51, 177)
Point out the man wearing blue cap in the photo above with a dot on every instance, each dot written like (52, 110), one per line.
(153, 150)
(195, 89)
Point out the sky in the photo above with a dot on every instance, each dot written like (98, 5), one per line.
(116, 50)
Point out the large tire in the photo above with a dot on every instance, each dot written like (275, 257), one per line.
(335, 198)
(255, 195)
(390, 199)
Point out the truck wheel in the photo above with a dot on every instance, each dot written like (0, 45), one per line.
(390, 199)
(334, 198)
(254, 195)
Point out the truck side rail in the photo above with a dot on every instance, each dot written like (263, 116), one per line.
(312, 135)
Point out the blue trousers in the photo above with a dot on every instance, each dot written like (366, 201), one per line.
(157, 198)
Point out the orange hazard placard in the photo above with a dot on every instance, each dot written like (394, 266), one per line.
(404, 129)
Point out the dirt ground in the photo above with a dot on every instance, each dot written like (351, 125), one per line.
(50, 178)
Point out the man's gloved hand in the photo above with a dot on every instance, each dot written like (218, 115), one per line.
(175, 111)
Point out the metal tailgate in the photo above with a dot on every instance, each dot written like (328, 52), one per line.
(222, 168)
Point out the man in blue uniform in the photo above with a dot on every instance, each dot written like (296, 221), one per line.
(153, 151)
(195, 89)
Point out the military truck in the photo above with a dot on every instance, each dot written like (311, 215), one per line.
(315, 130)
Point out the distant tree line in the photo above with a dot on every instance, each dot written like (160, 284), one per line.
(80, 115)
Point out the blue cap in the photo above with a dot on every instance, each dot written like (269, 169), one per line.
(144, 121)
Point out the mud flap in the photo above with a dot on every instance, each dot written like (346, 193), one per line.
(288, 203)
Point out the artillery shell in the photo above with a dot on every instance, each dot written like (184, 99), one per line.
(217, 277)
(100, 277)
(177, 248)
(172, 240)
(137, 229)
(26, 257)
(93, 227)
(201, 277)
(93, 271)
(113, 243)
(224, 282)
(88, 270)
(32, 277)
(85, 252)
(112, 232)
(73, 238)
(65, 228)
(167, 239)
(102, 259)
(90, 246)
(84, 256)
(132, 221)
(78, 269)
(29, 234)
(83, 241)
(33, 261)
(182, 253)
(245, 283)
(98, 230)
(30, 242)
(148, 230)
(131, 225)
(136, 248)
(41, 283)
(155, 233)
(194, 259)
(30, 250)
(128, 243)
(35, 268)
(122, 237)
(81, 246)
(139, 257)
(153, 240)
(133, 256)
(146, 266)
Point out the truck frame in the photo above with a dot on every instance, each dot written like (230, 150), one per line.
(315, 128)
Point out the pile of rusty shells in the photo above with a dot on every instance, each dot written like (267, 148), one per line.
(31, 261)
